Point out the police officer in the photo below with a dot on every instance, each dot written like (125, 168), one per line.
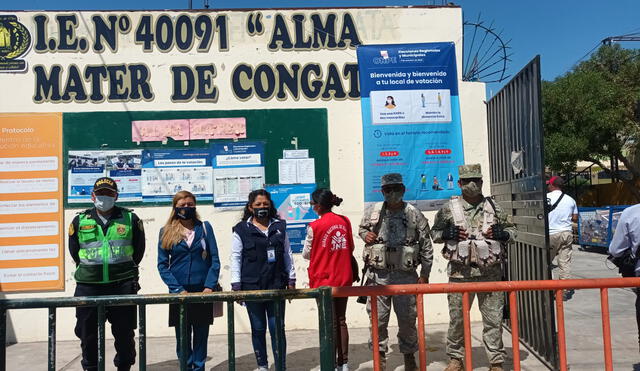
(107, 244)
(475, 230)
(396, 237)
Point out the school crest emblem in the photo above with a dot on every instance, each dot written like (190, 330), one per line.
(15, 41)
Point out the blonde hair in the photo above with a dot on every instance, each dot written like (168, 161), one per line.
(173, 231)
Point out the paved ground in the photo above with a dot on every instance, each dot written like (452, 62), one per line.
(584, 339)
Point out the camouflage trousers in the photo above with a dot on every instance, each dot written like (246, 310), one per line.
(491, 306)
(403, 305)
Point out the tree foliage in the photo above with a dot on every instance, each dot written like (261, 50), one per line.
(592, 113)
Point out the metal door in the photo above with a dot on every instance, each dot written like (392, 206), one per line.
(518, 184)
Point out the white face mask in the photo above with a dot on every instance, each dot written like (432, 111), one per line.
(104, 203)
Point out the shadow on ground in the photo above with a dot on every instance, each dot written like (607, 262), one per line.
(360, 357)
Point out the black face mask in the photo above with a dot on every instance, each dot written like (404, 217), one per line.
(261, 213)
(185, 213)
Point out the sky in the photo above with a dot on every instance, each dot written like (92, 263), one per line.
(561, 32)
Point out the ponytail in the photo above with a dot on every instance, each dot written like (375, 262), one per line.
(325, 198)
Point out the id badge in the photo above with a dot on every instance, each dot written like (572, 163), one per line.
(271, 256)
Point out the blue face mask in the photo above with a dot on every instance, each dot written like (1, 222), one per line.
(104, 203)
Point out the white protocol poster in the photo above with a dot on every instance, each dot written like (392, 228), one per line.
(238, 169)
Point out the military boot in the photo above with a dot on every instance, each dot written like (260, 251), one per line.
(454, 365)
(496, 367)
(410, 362)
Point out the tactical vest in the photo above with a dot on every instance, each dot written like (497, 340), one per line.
(476, 250)
(257, 273)
(381, 256)
(105, 258)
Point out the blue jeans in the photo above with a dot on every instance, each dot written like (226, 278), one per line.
(197, 347)
(262, 314)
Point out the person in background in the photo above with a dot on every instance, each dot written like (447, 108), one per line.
(563, 212)
(188, 262)
(261, 259)
(107, 244)
(626, 240)
(329, 247)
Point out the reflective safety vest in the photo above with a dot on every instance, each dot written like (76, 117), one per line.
(105, 258)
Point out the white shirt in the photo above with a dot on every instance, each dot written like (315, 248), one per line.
(560, 217)
(627, 234)
(236, 254)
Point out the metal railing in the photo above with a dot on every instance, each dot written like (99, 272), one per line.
(512, 288)
(321, 295)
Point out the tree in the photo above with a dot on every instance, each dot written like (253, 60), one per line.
(592, 113)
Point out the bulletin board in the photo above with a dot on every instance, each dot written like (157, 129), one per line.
(276, 127)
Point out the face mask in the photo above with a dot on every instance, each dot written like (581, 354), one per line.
(185, 213)
(471, 189)
(104, 203)
(393, 197)
(261, 213)
(388, 101)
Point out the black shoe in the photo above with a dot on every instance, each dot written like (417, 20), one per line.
(567, 295)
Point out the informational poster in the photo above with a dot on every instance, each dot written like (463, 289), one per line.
(411, 120)
(166, 172)
(84, 168)
(125, 167)
(293, 203)
(31, 215)
(296, 167)
(238, 169)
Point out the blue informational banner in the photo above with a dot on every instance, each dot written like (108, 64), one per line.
(166, 172)
(411, 120)
(238, 169)
(293, 204)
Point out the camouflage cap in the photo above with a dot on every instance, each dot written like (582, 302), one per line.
(391, 178)
(470, 171)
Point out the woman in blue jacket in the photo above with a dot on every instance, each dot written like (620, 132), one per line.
(188, 262)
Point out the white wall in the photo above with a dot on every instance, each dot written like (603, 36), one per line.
(345, 150)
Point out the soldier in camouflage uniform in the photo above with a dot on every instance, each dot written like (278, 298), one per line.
(472, 207)
(397, 240)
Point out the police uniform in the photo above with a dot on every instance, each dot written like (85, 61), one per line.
(399, 228)
(107, 253)
(474, 269)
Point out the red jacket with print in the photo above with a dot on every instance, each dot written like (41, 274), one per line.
(331, 251)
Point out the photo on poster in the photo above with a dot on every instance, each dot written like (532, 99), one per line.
(166, 172)
(84, 168)
(125, 167)
(424, 106)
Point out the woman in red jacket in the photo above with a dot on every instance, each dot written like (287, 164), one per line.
(329, 247)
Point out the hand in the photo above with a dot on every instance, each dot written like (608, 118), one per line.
(236, 286)
(462, 234)
(497, 232)
(207, 290)
(423, 280)
(183, 292)
(370, 238)
(291, 287)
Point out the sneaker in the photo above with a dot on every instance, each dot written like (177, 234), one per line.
(454, 365)
(496, 367)
(262, 368)
(410, 362)
(344, 367)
